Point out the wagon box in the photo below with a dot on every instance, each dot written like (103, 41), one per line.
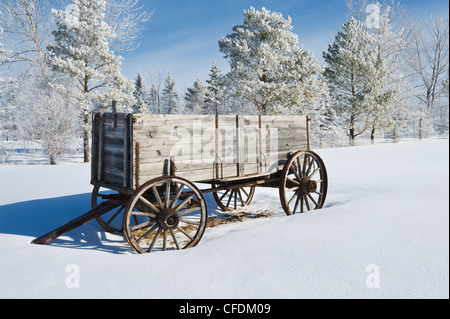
(147, 171)
(129, 150)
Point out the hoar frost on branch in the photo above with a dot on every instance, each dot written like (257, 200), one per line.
(81, 51)
(267, 67)
(353, 73)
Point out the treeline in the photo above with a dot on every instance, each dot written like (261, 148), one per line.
(385, 74)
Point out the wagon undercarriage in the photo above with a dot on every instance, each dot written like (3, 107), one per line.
(164, 208)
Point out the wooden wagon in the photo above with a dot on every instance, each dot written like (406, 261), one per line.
(150, 173)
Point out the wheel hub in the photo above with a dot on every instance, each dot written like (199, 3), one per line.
(309, 186)
(168, 218)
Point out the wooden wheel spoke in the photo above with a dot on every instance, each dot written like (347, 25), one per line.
(181, 230)
(293, 181)
(177, 196)
(229, 199)
(158, 198)
(314, 173)
(190, 222)
(225, 194)
(158, 233)
(299, 169)
(189, 210)
(164, 240)
(151, 230)
(296, 203)
(187, 200)
(304, 165)
(148, 204)
(311, 165)
(294, 196)
(175, 239)
(240, 197)
(301, 203)
(313, 200)
(141, 226)
(145, 214)
(167, 197)
(306, 202)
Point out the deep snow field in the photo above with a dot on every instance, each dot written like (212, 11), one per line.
(384, 233)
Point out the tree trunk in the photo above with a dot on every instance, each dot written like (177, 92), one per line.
(352, 130)
(420, 129)
(52, 160)
(372, 135)
(87, 157)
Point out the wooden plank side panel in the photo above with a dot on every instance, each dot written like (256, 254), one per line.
(189, 140)
(282, 135)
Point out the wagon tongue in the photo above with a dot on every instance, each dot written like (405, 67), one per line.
(100, 210)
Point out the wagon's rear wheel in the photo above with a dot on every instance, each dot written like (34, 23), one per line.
(304, 183)
(167, 213)
(112, 221)
(232, 199)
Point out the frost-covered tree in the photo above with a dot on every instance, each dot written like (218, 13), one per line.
(154, 100)
(196, 97)
(170, 99)
(352, 75)
(140, 95)
(428, 57)
(81, 51)
(3, 51)
(268, 67)
(389, 25)
(127, 19)
(26, 24)
(45, 115)
(215, 96)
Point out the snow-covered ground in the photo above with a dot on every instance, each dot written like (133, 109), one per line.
(384, 233)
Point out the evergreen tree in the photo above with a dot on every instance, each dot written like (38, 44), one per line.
(81, 51)
(195, 98)
(386, 25)
(267, 66)
(154, 100)
(140, 95)
(352, 74)
(215, 96)
(170, 99)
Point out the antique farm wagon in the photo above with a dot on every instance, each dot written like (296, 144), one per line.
(151, 172)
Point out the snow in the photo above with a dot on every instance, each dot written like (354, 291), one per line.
(385, 225)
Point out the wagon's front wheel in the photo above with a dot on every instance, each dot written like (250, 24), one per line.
(167, 213)
(304, 183)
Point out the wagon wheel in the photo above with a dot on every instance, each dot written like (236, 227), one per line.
(232, 199)
(304, 183)
(166, 213)
(112, 221)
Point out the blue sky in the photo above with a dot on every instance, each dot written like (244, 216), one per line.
(182, 35)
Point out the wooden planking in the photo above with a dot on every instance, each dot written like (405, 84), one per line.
(281, 135)
(189, 139)
(112, 151)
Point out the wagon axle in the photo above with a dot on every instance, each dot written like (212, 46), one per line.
(168, 219)
(309, 186)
